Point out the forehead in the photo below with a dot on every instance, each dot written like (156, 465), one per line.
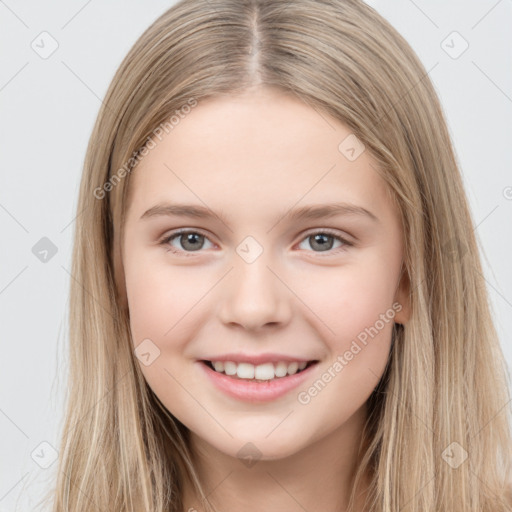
(251, 151)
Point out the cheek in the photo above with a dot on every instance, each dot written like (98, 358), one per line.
(352, 297)
(352, 307)
(161, 297)
(161, 301)
(164, 302)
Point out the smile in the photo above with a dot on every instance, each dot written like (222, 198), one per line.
(261, 372)
(256, 383)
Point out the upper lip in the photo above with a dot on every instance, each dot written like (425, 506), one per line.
(256, 359)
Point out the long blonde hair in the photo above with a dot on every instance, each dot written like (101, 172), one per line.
(444, 394)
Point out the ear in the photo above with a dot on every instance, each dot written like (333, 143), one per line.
(403, 297)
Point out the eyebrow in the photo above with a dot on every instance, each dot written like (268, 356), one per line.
(312, 212)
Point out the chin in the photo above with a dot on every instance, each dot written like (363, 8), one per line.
(261, 448)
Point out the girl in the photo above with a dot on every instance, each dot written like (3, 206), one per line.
(278, 300)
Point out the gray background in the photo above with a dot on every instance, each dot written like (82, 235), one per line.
(48, 107)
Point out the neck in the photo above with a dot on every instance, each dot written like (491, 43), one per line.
(319, 476)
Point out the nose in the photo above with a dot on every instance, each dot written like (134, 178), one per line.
(255, 296)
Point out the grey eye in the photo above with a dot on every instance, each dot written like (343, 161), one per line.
(189, 241)
(321, 242)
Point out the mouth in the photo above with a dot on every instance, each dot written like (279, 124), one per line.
(257, 383)
(259, 373)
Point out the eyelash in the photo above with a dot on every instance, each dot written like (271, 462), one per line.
(167, 239)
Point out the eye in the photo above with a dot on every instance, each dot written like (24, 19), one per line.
(324, 240)
(190, 241)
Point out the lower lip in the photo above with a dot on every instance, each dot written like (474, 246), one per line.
(252, 391)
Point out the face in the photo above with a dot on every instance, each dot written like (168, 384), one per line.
(254, 280)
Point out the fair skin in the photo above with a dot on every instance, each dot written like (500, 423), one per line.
(253, 158)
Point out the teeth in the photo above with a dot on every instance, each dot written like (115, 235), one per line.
(245, 371)
(292, 368)
(229, 368)
(265, 371)
(219, 366)
(281, 369)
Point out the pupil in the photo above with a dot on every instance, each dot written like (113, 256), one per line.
(191, 238)
(323, 246)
